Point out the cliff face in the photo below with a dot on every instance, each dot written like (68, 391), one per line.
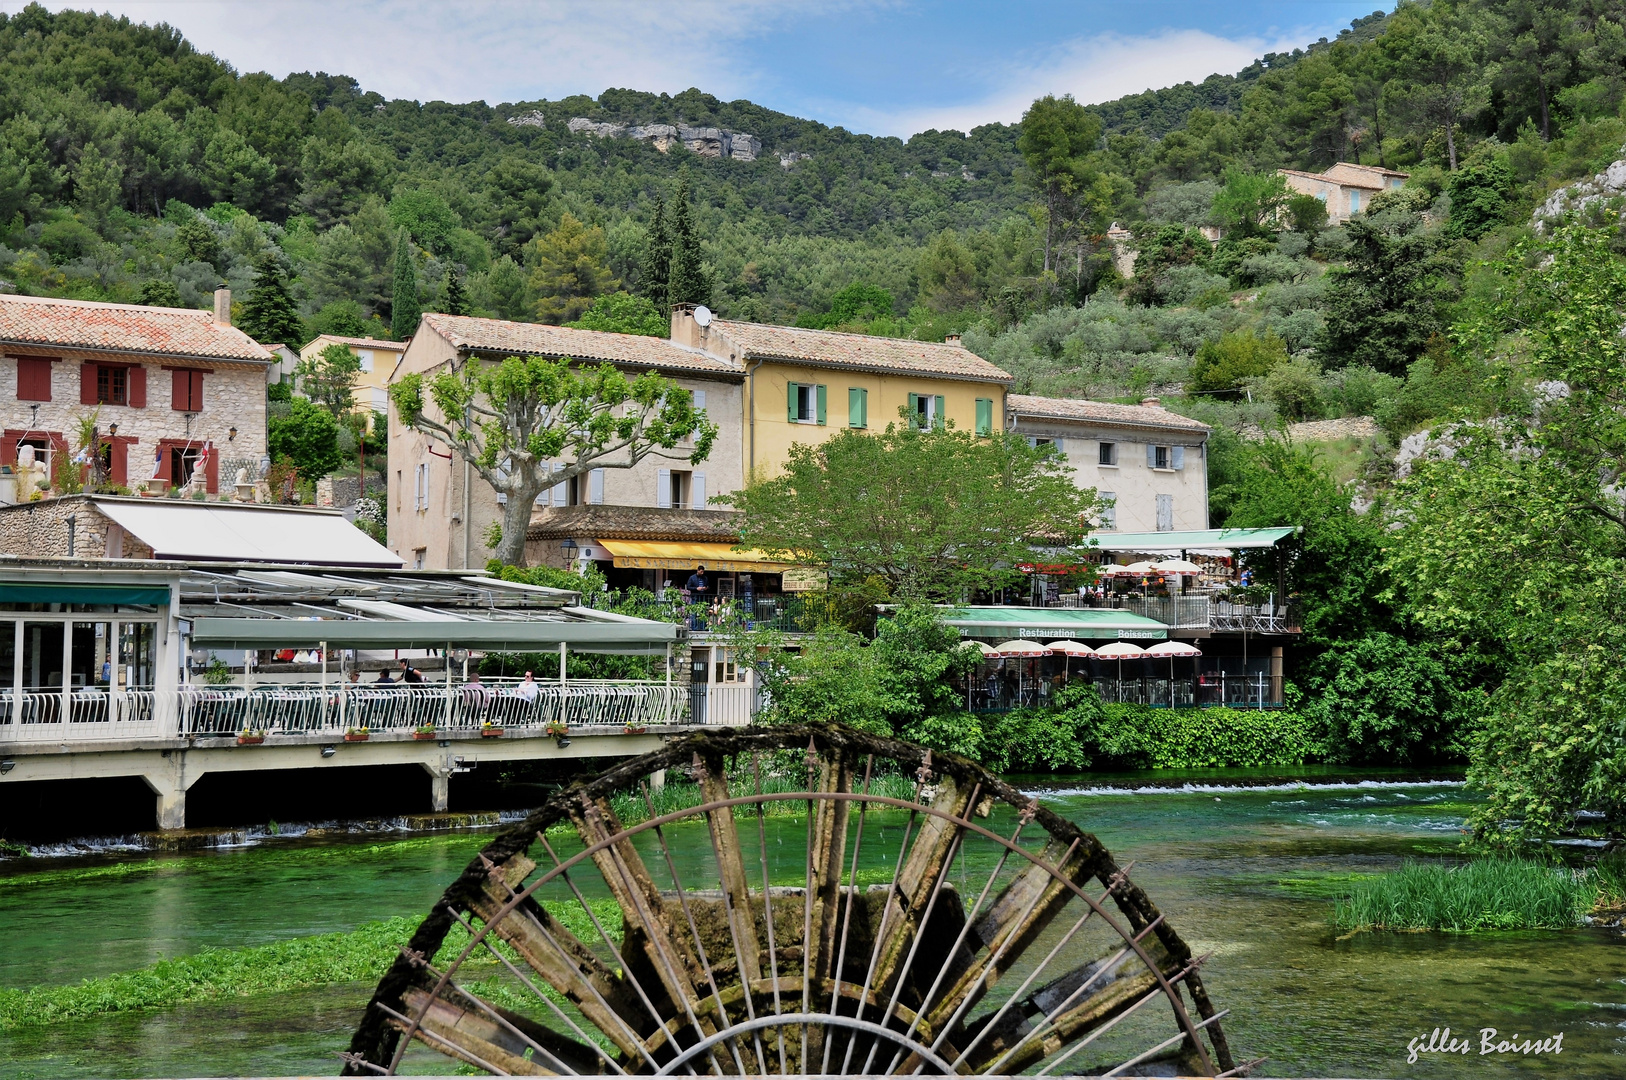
(705, 141)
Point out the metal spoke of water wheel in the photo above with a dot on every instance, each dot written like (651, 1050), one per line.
(944, 923)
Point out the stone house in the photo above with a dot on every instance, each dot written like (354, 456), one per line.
(804, 386)
(439, 509)
(1150, 464)
(1347, 189)
(378, 359)
(173, 391)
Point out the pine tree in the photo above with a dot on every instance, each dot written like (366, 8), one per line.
(457, 300)
(404, 308)
(688, 283)
(269, 314)
(654, 276)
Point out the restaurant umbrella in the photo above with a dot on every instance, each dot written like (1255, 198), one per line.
(1177, 566)
(1022, 649)
(1068, 648)
(1171, 649)
(1119, 650)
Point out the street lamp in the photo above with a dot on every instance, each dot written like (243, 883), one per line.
(569, 548)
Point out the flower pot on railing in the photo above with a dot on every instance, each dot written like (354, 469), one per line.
(426, 733)
(356, 735)
(490, 731)
(250, 738)
(636, 729)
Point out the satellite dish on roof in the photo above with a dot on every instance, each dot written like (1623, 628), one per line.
(702, 315)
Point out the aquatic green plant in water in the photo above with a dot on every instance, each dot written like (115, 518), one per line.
(1483, 894)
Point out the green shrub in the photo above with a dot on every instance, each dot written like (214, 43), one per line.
(1486, 894)
(1222, 366)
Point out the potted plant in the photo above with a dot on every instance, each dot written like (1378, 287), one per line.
(557, 730)
(250, 737)
(489, 730)
(635, 729)
(425, 732)
(356, 734)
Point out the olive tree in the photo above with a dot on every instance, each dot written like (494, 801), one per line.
(511, 419)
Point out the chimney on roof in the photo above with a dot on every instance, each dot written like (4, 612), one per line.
(1151, 403)
(951, 339)
(223, 305)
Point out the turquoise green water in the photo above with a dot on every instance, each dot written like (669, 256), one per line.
(1247, 874)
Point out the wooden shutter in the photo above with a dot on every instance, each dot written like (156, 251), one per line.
(1177, 457)
(699, 399)
(791, 412)
(212, 477)
(985, 416)
(914, 410)
(856, 407)
(663, 488)
(819, 406)
(118, 463)
(33, 379)
(697, 491)
(595, 486)
(939, 417)
(180, 391)
(1151, 456)
(87, 384)
(137, 387)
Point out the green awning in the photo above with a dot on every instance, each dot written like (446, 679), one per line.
(103, 595)
(645, 638)
(1052, 624)
(1188, 539)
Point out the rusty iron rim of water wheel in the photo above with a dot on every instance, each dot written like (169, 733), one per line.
(717, 977)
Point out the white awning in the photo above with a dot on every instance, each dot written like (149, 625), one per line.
(243, 532)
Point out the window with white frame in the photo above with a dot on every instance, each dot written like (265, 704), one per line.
(1109, 454)
(420, 487)
(1109, 509)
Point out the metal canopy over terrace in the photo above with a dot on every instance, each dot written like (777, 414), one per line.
(1189, 540)
(1052, 623)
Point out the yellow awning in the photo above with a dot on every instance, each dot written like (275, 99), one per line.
(684, 555)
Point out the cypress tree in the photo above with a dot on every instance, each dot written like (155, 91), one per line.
(269, 314)
(687, 283)
(457, 301)
(656, 273)
(404, 308)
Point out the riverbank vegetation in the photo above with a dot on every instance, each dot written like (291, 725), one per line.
(1482, 894)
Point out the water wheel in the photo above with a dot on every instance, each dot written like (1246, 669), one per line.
(952, 925)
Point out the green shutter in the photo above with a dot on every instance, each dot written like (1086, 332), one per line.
(820, 392)
(857, 407)
(939, 417)
(985, 416)
(790, 403)
(914, 410)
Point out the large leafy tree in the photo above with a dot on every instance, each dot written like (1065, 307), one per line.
(1514, 544)
(571, 270)
(512, 418)
(932, 513)
(1057, 136)
(1384, 305)
(329, 378)
(1248, 204)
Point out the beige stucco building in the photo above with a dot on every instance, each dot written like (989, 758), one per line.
(378, 359)
(440, 508)
(1347, 189)
(804, 386)
(172, 390)
(1151, 465)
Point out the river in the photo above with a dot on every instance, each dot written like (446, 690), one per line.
(1247, 873)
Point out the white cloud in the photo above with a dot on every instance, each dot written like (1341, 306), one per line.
(1095, 69)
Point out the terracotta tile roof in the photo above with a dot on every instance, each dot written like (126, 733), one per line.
(858, 352)
(633, 523)
(1100, 412)
(360, 342)
(85, 324)
(537, 339)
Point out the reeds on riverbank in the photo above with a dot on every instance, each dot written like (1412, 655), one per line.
(1483, 894)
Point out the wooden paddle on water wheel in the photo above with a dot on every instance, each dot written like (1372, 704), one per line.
(961, 928)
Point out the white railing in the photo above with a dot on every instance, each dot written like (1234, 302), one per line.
(335, 709)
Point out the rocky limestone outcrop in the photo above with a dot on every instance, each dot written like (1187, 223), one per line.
(1605, 192)
(791, 157)
(705, 141)
(530, 119)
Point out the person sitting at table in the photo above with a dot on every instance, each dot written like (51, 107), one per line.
(384, 677)
(527, 689)
(410, 674)
(475, 695)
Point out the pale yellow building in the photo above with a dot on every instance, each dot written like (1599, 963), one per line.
(378, 359)
(1346, 188)
(804, 386)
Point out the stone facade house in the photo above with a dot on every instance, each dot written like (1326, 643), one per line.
(1150, 464)
(172, 391)
(440, 509)
(1347, 189)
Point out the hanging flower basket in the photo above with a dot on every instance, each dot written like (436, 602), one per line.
(557, 730)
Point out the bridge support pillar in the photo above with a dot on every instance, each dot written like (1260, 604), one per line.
(657, 780)
(169, 783)
(440, 784)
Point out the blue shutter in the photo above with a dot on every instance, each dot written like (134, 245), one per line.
(1177, 457)
(857, 407)
(1151, 456)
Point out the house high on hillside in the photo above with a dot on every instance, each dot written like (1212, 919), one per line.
(1149, 464)
(1346, 188)
(378, 359)
(172, 390)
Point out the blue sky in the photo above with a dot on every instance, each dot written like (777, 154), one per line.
(888, 67)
